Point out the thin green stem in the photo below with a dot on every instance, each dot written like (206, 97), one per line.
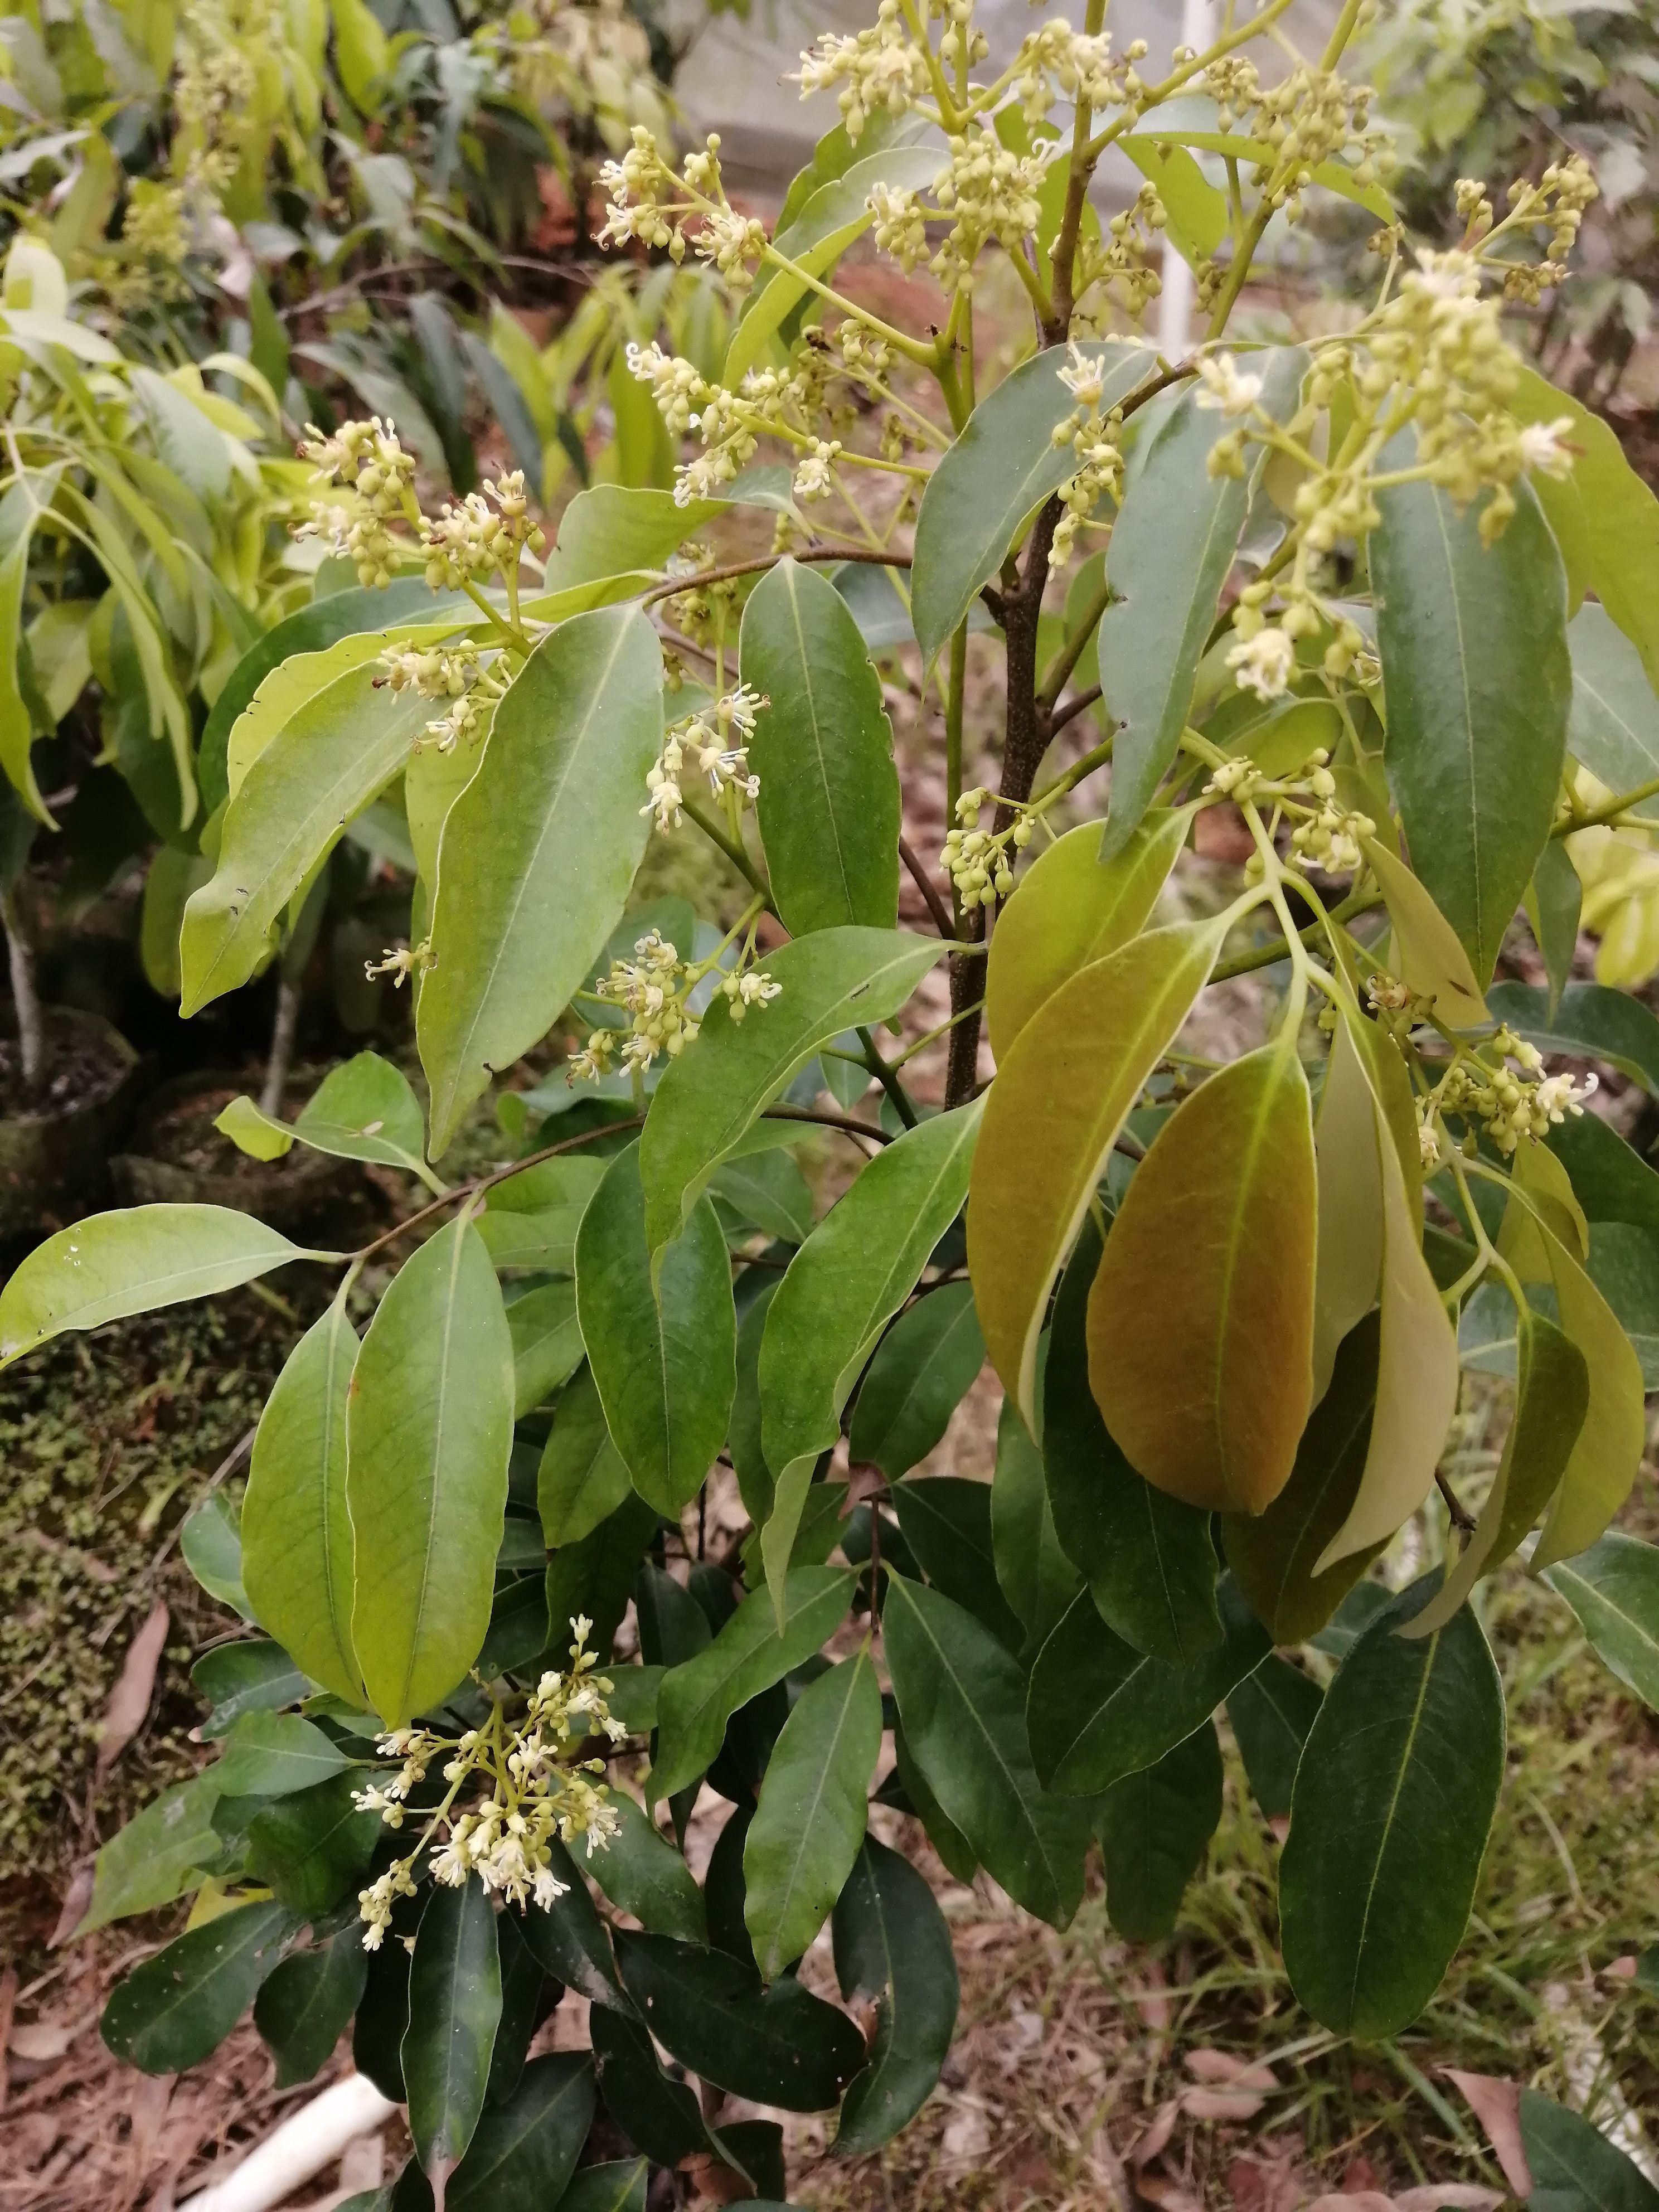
(885, 1075)
(733, 851)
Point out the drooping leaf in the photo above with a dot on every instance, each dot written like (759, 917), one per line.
(659, 2113)
(245, 1677)
(1604, 1461)
(454, 2004)
(744, 1440)
(962, 1699)
(547, 1344)
(595, 1576)
(569, 1939)
(1037, 1577)
(924, 1369)
(1613, 1587)
(210, 1544)
(893, 1947)
(1172, 546)
(361, 1111)
(995, 476)
(640, 1871)
(303, 2009)
(809, 1824)
(1148, 1558)
(157, 1855)
(751, 1652)
(956, 1853)
(828, 982)
(1206, 1387)
(1348, 1259)
(1473, 646)
(764, 1190)
(268, 1754)
(310, 1847)
(525, 1999)
(429, 1431)
(1097, 1710)
(947, 1522)
(296, 1531)
(1613, 728)
(1555, 901)
(823, 748)
(171, 2012)
(1071, 909)
(1075, 1072)
(618, 2185)
(1574, 2167)
(778, 2046)
(524, 2152)
(537, 851)
(1431, 959)
(1610, 1179)
(1400, 1772)
(1271, 1712)
(1154, 1829)
(132, 1262)
(663, 1353)
(582, 1477)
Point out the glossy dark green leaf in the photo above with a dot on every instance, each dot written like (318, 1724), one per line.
(305, 2005)
(1555, 899)
(640, 1871)
(1037, 1578)
(754, 1482)
(454, 2004)
(376, 2032)
(662, 1354)
(568, 1937)
(1613, 1587)
(835, 980)
(526, 1997)
(945, 1519)
(253, 1676)
(537, 851)
(780, 2046)
(923, 1371)
(1610, 1179)
(179, 2006)
(429, 1431)
(750, 1654)
(1474, 653)
(523, 2152)
(1273, 1554)
(1399, 1778)
(810, 1819)
(893, 1949)
(268, 1754)
(310, 1848)
(1154, 1829)
(1148, 1558)
(956, 1853)
(616, 2187)
(659, 2114)
(1271, 1712)
(596, 1575)
(1574, 2167)
(582, 1477)
(823, 748)
(1592, 1022)
(1099, 1710)
(962, 1699)
(1172, 546)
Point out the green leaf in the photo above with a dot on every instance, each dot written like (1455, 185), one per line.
(311, 1847)
(764, 1190)
(751, 1652)
(956, 1853)
(1272, 1555)
(1271, 1712)
(268, 1754)
(1149, 1560)
(547, 1343)
(454, 2005)
(1037, 1578)
(823, 748)
(583, 1478)
(893, 1947)
(640, 1871)
(1591, 1022)
(318, 771)
(595, 1576)
(947, 1522)
(569, 1939)
(1348, 1256)
(924, 1369)
(1613, 1587)
(781, 2046)
(1430, 958)
(1613, 727)
(296, 1531)
(1098, 1710)
(1073, 908)
(663, 1353)
(537, 851)
(1154, 1828)
(1204, 1374)
(828, 982)
(1400, 1774)
(1196, 212)
(363, 1110)
(962, 1699)
(523, 2152)
(1172, 546)
(1574, 2167)
(1475, 654)
(132, 1262)
(211, 1543)
(1075, 1072)
(611, 539)
(659, 2113)
(976, 502)
(181, 2004)
(842, 1288)
(1610, 1179)
(305, 2006)
(809, 1824)
(251, 1677)
(158, 1854)
(429, 1431)
(616, 2187)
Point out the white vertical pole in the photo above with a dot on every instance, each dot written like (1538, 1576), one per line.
(1175, 303)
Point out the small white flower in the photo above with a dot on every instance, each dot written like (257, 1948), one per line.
(1085, 379)
(1264, 664)
(1544, 448)
(1226, 389)
(1558, 1096)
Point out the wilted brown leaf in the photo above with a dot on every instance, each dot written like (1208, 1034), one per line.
(1496, 2104)
(129, 1701)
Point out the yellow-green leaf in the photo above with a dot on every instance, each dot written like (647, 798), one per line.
(1431, 960)
(1349, 1251)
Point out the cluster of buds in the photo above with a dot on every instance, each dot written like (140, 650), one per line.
(1094, 439)
(651, 204)
(1056, 62)
(1311, 115)
(815, 475)
(745, 988)
(770, 402)
(1558, 202)
(1397, 1007)
(992, 192)
(1330, 840)
(1127, 254)
(1482, 1087)
(977, 861)
(652, 989)
(445, 672)
(594, 61)
(368, 460)
(878, 70)
(477, 539)
(532, 1788)
(716, 748)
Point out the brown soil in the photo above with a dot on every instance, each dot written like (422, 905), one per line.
(84, 1065)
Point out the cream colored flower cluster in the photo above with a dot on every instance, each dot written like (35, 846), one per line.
(717, 748)
(1056, 62)
(1310, 116)
(446, 672)
(1481, 1087)
(978, 860)
(650, 203)
(652, 989)
(370, 460)
(876, 71)
(1094, 439)
(477, 538)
